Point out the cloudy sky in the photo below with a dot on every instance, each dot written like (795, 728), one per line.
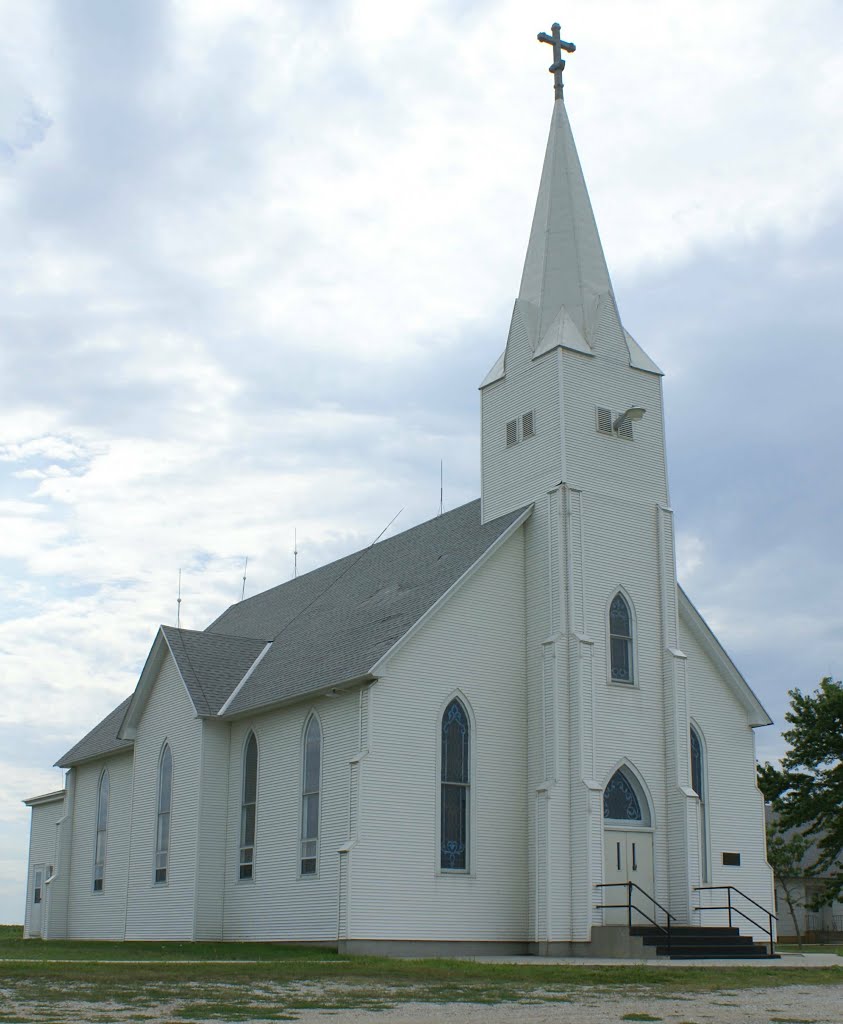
(258, 254)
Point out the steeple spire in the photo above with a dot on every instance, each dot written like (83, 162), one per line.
(565, 265)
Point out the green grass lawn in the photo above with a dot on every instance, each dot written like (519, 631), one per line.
(286, 979)
(12, 945)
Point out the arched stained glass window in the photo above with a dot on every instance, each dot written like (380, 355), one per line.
(248, 808)
(620, 640)
(162, 828)
(102, 832)
(696, 763)
(621, 801)
(310, 796)
(455, 784)
(698, 784)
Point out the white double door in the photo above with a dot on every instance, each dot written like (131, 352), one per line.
(628, 857)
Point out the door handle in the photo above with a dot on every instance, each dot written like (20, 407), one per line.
(619, 856)
(634, 862)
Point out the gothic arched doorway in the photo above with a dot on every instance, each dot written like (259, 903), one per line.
(627, 847)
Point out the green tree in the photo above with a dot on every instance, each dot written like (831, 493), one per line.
(785, 855)
(807, 790)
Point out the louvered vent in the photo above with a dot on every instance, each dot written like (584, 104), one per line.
(511, 433)
(528, 424)
(610, 421)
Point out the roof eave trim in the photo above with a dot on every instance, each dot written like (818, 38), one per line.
(323, 691)
(713, 648)
(114, 752)
(244, 680)
(638, 358)
(498, 371)
(379, 666)
(46, 798)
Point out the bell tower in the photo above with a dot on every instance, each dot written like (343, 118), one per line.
(572, 423)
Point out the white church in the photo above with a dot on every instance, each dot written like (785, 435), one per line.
(505, 730)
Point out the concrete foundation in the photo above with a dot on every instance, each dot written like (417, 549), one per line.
(608, 942)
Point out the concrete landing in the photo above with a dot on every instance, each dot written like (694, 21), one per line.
(786, 960)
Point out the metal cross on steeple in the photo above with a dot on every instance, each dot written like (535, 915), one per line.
(558, 64)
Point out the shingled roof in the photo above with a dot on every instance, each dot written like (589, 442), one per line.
(100, 741)
(211, 664)
(323, 629)
(334, 624)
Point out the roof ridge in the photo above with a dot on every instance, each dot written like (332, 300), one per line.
(196, 677)
(321, 568)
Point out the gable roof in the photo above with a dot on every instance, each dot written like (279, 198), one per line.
(211, 664)
(701, 631)
(333, 625)
(100, 741)
(329, 627)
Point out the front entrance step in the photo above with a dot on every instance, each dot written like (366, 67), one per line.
(690, 942)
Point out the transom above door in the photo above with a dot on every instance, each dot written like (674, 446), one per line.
(624, 803)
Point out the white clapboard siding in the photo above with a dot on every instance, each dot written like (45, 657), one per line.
(42, 851)
(165, 911)
(735, 804)
(605, 462)
(513, 476)
(100, 915)
(472, 647)
(280, 903)
(211, 841)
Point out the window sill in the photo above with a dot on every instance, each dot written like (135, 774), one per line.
(617, 684)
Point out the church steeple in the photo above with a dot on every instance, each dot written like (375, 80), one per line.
(565, 267)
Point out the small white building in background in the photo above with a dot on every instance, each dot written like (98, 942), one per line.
(450, 740)
(795, 918)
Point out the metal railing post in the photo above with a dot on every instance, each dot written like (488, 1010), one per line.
(629, 903)
(730, 908)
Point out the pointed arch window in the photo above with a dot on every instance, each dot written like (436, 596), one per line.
(699, 787)
(248, 807)
(455, 783)
(162, 827)
(102, 832)
(620, 640)
(624, 802)
(311, 773)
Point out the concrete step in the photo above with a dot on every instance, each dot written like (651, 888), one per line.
(691, 942)
(712, 955)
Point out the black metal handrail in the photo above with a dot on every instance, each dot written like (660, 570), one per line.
(732, 909)
(629, 906)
